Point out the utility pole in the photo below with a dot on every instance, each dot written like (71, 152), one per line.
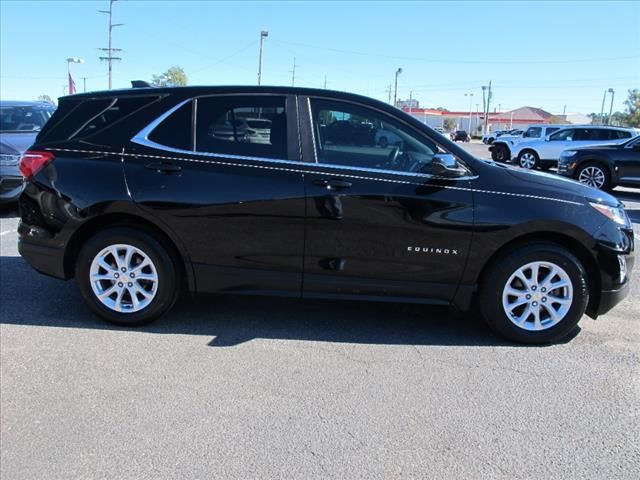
(293, 73)
(325, 82)
(410, 99)
(484, 108)
(470, 95)
(395, 94)
(263, 34)
(486, 118)
(389, 93)
(602, 109)
(110, 50)
(611, 107)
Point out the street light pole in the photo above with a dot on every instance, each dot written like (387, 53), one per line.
(602, 108)
(263, 34)
(395, 94)
(611, 107)
(71, 60)
(470, 95)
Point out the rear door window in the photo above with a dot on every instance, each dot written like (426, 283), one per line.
(175, 131)
(249, 126)
(533, 132)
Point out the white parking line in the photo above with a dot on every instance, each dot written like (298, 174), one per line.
(8, 231)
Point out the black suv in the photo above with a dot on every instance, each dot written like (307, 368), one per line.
(603, 166)
(461, 136)
(132, 194)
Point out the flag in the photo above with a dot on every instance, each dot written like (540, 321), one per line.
(72, 85)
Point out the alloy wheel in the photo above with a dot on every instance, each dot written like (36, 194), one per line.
(528, 160)
(123, 278)
(592, 176)
(537, 296)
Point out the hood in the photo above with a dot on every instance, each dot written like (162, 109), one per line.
(16, 143)
(560, 187)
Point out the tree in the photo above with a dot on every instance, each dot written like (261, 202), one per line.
(46, 98)
(632, 112)
(173, 77)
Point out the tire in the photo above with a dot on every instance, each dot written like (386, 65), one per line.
(383, 142)
(594, 175)
(521, 326)
(528, 159)
(154, 295)
(500, 153)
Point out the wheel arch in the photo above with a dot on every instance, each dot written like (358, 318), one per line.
(573, 245)
(102, 222)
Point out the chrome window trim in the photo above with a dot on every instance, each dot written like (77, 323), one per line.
(313, 132)
(142, 138)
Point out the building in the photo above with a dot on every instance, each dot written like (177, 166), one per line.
(474, 121)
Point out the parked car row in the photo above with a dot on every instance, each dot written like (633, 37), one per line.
(490, 137)
(605, 156)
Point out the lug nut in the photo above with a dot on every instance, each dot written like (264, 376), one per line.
(544, 299)
(528, 296)
(544, 290)
(130, 284)
(132, 275)
(123, 269)
(535, 304)
(116, 275)
(534, 288)
(120, 284)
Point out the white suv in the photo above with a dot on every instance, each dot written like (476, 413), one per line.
(502, 146)
(545, 152)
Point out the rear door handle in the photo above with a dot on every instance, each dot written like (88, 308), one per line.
(162, 167)
(333, 183)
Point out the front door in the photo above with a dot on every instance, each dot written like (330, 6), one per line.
(378, 222)
(222, 180)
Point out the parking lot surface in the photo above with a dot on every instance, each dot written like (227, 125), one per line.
(236, 387)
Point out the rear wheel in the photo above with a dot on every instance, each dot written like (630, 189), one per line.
(528, 159)
(126, 276)
(594, 175)
(535, 294)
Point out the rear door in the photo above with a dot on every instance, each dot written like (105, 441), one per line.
(233, 193)
(628, 162)
(378, 222)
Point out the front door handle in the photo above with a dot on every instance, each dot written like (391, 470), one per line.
(164, 167)
(333, 183)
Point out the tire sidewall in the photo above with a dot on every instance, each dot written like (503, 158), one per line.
(494, 283)
(165, 267)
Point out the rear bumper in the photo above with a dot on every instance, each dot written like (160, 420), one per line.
(40, 254)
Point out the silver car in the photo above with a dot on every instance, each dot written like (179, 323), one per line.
(20, 123)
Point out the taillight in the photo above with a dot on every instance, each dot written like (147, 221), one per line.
(32, 162)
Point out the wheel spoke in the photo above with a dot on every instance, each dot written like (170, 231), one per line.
(552, 313)
(109, 291)
(103, 263)
(127, 257)
(537, 325)
(144, 293)
(134, 297)
(100, 276)
(561, 301)
(118, 302)
(517, 303)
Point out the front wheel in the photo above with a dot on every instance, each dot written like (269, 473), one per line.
(126, 276)
(535, 294)
(594, 175)
(500, 153)
(528, 159)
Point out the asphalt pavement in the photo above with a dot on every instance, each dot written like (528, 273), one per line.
(256, 388)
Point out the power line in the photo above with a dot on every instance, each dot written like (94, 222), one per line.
(463, 62)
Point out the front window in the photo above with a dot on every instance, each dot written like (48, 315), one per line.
(533, 132)
(563, 136)
(24, 118)
(350, 135)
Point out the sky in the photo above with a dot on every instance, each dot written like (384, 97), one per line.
(552, 55)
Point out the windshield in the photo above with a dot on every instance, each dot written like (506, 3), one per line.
(24, 118)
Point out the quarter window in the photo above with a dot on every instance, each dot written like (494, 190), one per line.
(353, 136)
(246, 126)
(175, 130)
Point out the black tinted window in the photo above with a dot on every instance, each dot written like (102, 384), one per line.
(175, 131)
(24, 118)
(95, 116)
(550, 130)
(353, 136)
(253, 126)
(582, 134)
(567, 135)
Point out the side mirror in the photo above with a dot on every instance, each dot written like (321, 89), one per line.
(446, 165)
(547, 138)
